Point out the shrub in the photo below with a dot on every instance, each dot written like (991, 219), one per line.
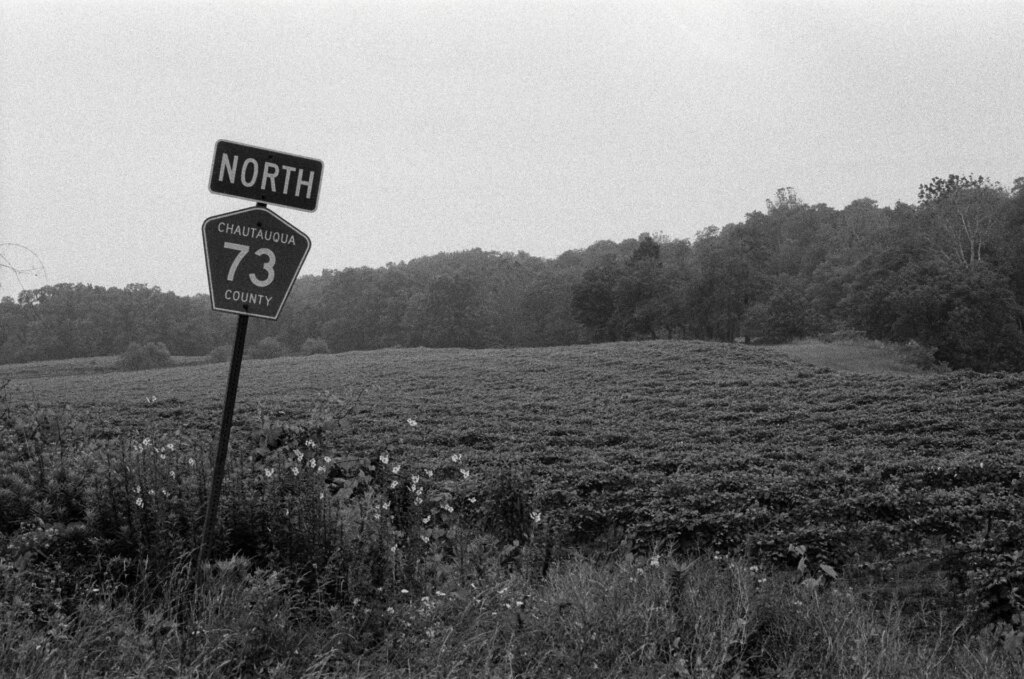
(314, 345)
(269, 347)
(219, 354)
(144, 356)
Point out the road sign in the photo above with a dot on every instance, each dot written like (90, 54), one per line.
(266, 176)
(252, 259)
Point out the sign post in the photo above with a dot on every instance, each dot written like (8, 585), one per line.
(253, 257)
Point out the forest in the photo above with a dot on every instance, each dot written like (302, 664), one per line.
(946, 273)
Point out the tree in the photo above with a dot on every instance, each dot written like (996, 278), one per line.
(963, 213)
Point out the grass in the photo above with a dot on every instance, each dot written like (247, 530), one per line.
(858, 356)
(642, 509)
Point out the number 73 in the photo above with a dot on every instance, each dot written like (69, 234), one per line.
(268, 265)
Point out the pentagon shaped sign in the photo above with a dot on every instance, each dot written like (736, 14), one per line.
(252, 259)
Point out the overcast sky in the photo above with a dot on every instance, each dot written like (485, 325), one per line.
(444, 126)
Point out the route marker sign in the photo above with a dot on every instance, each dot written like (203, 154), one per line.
(252, 260)
(266, 176)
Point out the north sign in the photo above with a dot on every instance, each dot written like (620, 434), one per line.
(252, 260)
(266, 176)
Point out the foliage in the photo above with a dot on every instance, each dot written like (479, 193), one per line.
(946, 273)
(220, 354)
(314, 345)
(144, 356)
(268, 347)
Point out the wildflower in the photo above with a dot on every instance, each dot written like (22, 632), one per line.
(390, 609)
(152, 492)
(138, 501)
(418, 501)
(146, 442)
(384, 458)
(655, 560)
(327, 459)
(426, 520)
(295, 471)
(268, 472)
(448, 508)
(298, 454)
(397, 468)
(173, 474)
(456, 458)
(162, 456)
(394, 548)
(405, 591)
(386, 505)
(472, 500)
(393, 485)
(535, 515)
(321, 496)
(429, 473)
(321, 470)
(425, 538)
(415, 479)
(412, 422)
(310, 443)
(170, 447)
(312, 463)
(191, 462)
(138, 489)
(165, 493)
(465, 473)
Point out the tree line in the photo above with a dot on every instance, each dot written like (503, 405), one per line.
(946, 273)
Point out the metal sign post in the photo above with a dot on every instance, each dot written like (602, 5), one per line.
(253, 257)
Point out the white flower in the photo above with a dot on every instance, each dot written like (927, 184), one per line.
(418, 501)
(394, 548)
(429, 473)
(412, 422)
(268, 472)
(535, 515)
(426, 520)
(465, 473)
(394, 484)
(312, 463)
(191, 462)
(655, 560)
(327, 459)
(174, 474)
(397, 468)
(138, 501)
(448, 508)
(138, 489)
(310, 443)
(170, 446)
(147, 441)
(415, 479)
(456, 458)
(472, 500)
(295, 471)
(386, 505)
(384, 458)
(425, 538)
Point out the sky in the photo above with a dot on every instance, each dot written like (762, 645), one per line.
(508, 126)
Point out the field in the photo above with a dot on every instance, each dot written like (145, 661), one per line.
(898, 484)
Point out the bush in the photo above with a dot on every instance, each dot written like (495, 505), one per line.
(314, 345)
(144, 356)
(269, 347)
(220, 354)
